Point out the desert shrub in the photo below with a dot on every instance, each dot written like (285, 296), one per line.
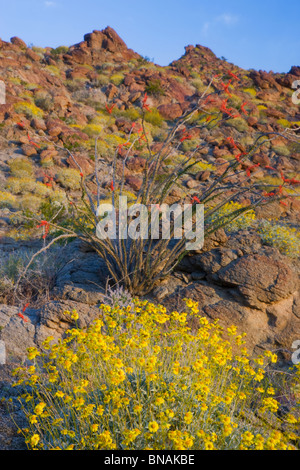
(44, 101)
(201, 166)
(286, 239)
(117, 79)
(139, 378)
(19, 185)
(30, 203)
(30, 110)
(239, 124)
(199, 85)
(284, 123)
(59, 50)
(188, 145)
(24, 185)
(7, 200)
(69, 178)
(100, 81)
(154, 117)
(281, 150)
(53, 70)
(75, 84)
(21, 167)
(131, 113)
(235, 101)
(154, 87)
(242, 222)
(159, 134)
(251, 91)
(39, 50)
(93, 130)
(39, 278)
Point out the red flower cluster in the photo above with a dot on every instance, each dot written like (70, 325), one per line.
(145, 105)
(32, 142)
(226, 87)
(21, 314)
(243, 108)
(186, 136)
(228, 111)
(195, 199)
(291, 181)
(248, 171)
(45, 224)
(233, 75)
(109, 110)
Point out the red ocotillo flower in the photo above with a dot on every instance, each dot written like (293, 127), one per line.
(268, 167)
(22, 316)
(21, 125)
(142, 137)
(112, 186)
(237, 157)
(209, 99)
(186, 136)
(145, 105)
(243, 108)
(196, 199)
(233, 75)
(291, 181)
(226, 87)
(32, 142)
(248, 171)
(109, 110)
(224, 108)
(232, 142)
(45, 224)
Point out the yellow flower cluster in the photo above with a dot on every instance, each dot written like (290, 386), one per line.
(286, 239)
(142, 378)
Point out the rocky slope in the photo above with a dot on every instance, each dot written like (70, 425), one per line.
(63, 98)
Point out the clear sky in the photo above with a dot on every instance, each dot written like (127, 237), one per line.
(259, 34)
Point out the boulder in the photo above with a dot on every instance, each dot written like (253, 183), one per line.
(18, 42)
(259, 279)
(170, 111)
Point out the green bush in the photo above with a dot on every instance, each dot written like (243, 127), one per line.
(69, 178)
(286, 239)
(155, 88)
(154, 117)
(21, 167)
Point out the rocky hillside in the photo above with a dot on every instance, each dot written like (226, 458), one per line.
(57, 102)
(64, 98)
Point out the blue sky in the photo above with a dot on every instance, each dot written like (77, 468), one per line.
(259, 34)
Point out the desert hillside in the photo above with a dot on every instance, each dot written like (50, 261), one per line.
(83, 120)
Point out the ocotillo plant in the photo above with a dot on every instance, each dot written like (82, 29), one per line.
(139, 262)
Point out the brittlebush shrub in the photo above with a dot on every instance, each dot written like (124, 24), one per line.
(139, 378)
(286, 239)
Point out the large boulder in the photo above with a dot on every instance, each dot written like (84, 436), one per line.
(260, 279)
